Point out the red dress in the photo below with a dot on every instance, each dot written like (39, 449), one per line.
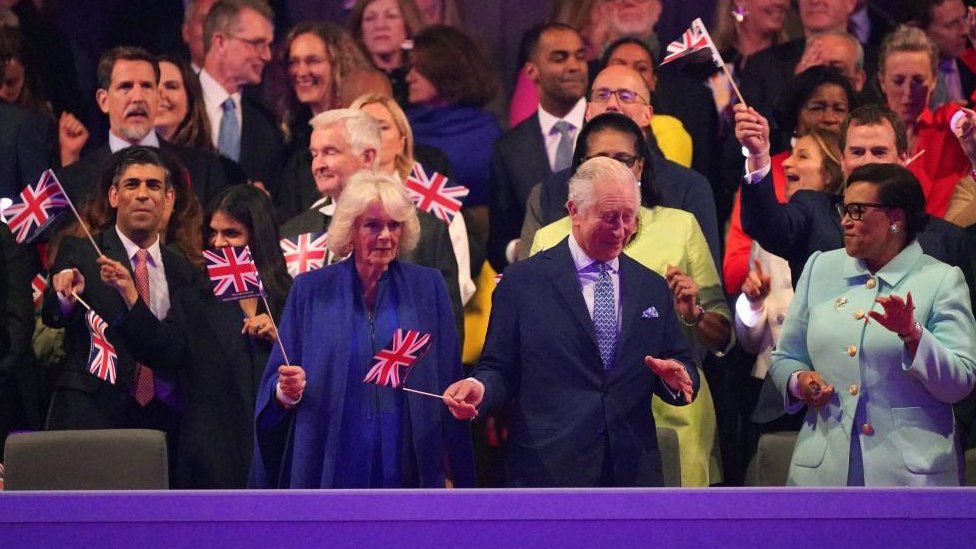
(943, 163)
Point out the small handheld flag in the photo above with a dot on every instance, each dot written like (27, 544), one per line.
(233, 274)
(432, 194)
(696, 38)
(306, 252)
(407, 347)
(101, 356)
(36, 208)
(38, 286)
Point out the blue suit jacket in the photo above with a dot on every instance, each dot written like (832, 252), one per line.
(541, 355)
(899, 405)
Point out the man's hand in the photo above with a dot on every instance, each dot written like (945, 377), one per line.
(963, 125)
(291, 379)
(67, 283)
(72, 136)
(813, 390)
(674, 374)
(115, 274)
(463, 397)
(752, 131)
(756, 286)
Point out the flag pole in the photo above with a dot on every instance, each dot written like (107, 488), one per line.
(80, 300)
(717, 59)
(914, 158)
(273, 324)
(415, 391)
(80, 221)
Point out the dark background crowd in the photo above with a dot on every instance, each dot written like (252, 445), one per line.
(494, 94)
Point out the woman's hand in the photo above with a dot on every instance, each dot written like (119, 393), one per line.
(463, 397)
(72, 136)
(260, 326)
(963, 125)
(898, 315)
(752, 131)
(117, 276)
(813, 390)
(756, 286)
(291, 381)
(685, 293)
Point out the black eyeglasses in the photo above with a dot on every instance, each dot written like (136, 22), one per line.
(603, 95)
(855, 210)
(626, 159)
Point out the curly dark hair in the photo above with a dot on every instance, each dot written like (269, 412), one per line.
(897, 188)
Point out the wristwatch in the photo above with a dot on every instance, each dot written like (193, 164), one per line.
(916, 329)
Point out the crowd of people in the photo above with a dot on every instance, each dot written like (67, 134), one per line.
(782, 243)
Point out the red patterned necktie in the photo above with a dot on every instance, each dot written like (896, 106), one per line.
(144, 377)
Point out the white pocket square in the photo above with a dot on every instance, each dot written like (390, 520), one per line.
(649, 312)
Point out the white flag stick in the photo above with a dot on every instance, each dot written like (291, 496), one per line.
(409, 390)
(717, 57)
(80, 221)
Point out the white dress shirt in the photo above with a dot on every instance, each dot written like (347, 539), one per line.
(587, 274)
(116, 143)
(214, 96)
(158, 288)
(551, 137)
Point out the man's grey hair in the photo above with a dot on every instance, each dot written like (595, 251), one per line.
(858, 48)
(599, 171)
(225, 15)
(362, 130)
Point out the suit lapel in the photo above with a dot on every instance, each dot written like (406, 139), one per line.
(630, 303)
(566, 282)
(536, 152)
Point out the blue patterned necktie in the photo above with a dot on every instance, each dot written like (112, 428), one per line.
(229, 136)
(564, 149)
(605, 315)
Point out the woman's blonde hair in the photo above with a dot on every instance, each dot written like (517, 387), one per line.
(404, 159)
(363, 188)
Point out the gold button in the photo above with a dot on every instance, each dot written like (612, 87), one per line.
(851, 350)
(871, 283)
(859, 315)
(852, 390)
(867, 429)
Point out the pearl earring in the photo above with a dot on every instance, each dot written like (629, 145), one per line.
(739, 14)
(893, 229)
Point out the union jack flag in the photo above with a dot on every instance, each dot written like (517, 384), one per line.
(407, 347)
(305, 253)
(431, 194)
(694, 39)
(36, 207)
(233, 274)
(38, 285)
(102, 355)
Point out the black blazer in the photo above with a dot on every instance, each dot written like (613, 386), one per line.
(571, 420)
(433, 250)
(809, 222)
(518, 163)
(81, 400)
(27, 142)
(262, 145)
(219, 371)
(208, 176)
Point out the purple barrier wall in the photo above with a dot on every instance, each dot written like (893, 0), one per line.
(788, 519)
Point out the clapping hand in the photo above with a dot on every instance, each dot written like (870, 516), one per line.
(756, 286)
(898, 315)
(685, 293)
(674, 374)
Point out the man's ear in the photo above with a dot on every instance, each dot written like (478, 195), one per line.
(113, 196)
(531, 71)
(369, 156)
(101, 97)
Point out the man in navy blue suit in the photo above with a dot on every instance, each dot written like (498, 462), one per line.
(579, 339)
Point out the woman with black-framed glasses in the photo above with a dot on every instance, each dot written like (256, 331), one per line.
(879, 342)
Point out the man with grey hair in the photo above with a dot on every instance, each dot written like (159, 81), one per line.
(237, 36)
(579, 339)
(343, 142)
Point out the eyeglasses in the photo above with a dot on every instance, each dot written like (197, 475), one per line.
(855, 210)
(626, 159)
(259, 44)
(603, 95)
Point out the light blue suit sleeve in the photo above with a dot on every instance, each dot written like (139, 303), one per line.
(945, 361)
(791, 353)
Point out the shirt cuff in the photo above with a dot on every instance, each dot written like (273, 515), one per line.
(752, 178)
(750, 314)
(510, 254)
(284, 399)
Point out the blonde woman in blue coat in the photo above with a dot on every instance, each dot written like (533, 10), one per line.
(878, 343)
